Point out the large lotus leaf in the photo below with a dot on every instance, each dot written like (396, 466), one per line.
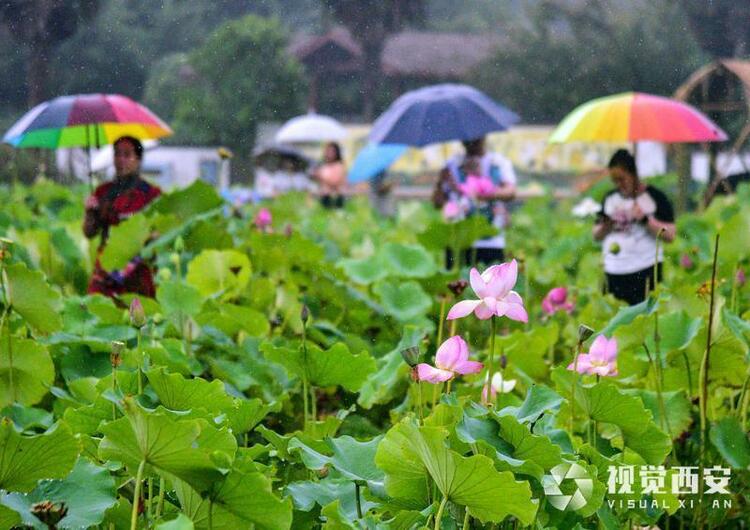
(207, 233)
(87, 418)
(239, 500)
(222, 273)
(307, 494)
(176, 392)
(383, 385)
(732, 442)
(28, 418)
(738, 326)
(403, 300)
(408, 261)
(677, 407)
(167, 445)
(676, 331)
(26, 459)
(539, 399)
(178, 298)
(604, 402)
(231, 319)
(365, 270)
(125, 241)
(181, 522)
(87, 493)
(9, 518)
(528, 350)
(336, 366)
(406, 477)
(197, 198)
(28, 365)
(33, 299)
(627, 314)
(735, 239)
(473, 481)
(245, 414)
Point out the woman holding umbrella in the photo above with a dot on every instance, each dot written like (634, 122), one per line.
(632, 216)
(331, 176)
(111, 203)
(479, 182)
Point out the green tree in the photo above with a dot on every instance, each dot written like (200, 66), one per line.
(242, 76)
(720, 26)
(370, 22)
(40, 26)
(573, 52)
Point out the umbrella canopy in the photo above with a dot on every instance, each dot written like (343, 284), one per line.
(635, 117)
(85, 120)
(373, 159)
(274, 155)
(440, 113)
(311, 128)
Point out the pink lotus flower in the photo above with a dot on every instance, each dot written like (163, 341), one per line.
(475, 186)
(452, 358)
(263, 218)
(686, 262)
(496, 297)
(557, 300)
(451, 211)
(498, 385)
(600, 360)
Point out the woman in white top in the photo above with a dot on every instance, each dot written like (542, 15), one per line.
(631, 217)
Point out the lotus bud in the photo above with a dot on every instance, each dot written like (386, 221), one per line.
(137, 314)
(304, 314)
(584, 332)
(411, 355)
(458, 286)
(503, 361)
(179, 244)
(740, 277)
(115, 356)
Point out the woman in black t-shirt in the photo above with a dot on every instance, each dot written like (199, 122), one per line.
(631, 217)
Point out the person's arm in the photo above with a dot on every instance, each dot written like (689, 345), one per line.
(91, 222)
(506, 190)
(662, 220)
(602, 228)
(668, 230)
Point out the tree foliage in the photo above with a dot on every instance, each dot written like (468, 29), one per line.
(571, 53)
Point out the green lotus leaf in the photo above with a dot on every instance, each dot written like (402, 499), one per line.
(408, 261)
(178, 298)
(26, 459)
(168, 446)
(365, 270)
(245, 414)
(220, 273)
(336, 366)
(87, 493)
(403, 300)
(26, 371)
(731, 440)
(125, 242)
(199, 197)
(33, 299)
(176, 392)
(181, 522)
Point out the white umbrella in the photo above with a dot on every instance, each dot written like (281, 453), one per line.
(311, 128)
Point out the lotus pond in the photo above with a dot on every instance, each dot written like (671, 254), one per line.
(286, 374)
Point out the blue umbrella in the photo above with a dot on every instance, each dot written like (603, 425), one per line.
(373, 159)
(440, 113)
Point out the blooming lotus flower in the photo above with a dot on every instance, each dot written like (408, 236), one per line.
(498, 385)
(557, 300)
(600, 360)
(475, 187)
(452, 211)
(452, 358)
(496, 297)
(263, 218)
(587, 207)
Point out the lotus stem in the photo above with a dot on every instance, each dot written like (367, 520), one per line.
(150, 498)
(441, 321)
(304, 375)
(313, 403)
(573, 387)
(359, 500)
(419, 402)
(439, 515)
(493, 325)
(160, 502)
(140, 363)
(466, 520)
(137, 496)
(210, 514)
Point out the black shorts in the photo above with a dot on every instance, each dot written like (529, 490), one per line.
(631, 288)
(475, 256)
(332, 201)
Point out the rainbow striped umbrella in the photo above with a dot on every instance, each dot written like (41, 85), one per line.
(635, 117)
(85, 120)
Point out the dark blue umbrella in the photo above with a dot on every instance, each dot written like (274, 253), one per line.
(440, 113)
